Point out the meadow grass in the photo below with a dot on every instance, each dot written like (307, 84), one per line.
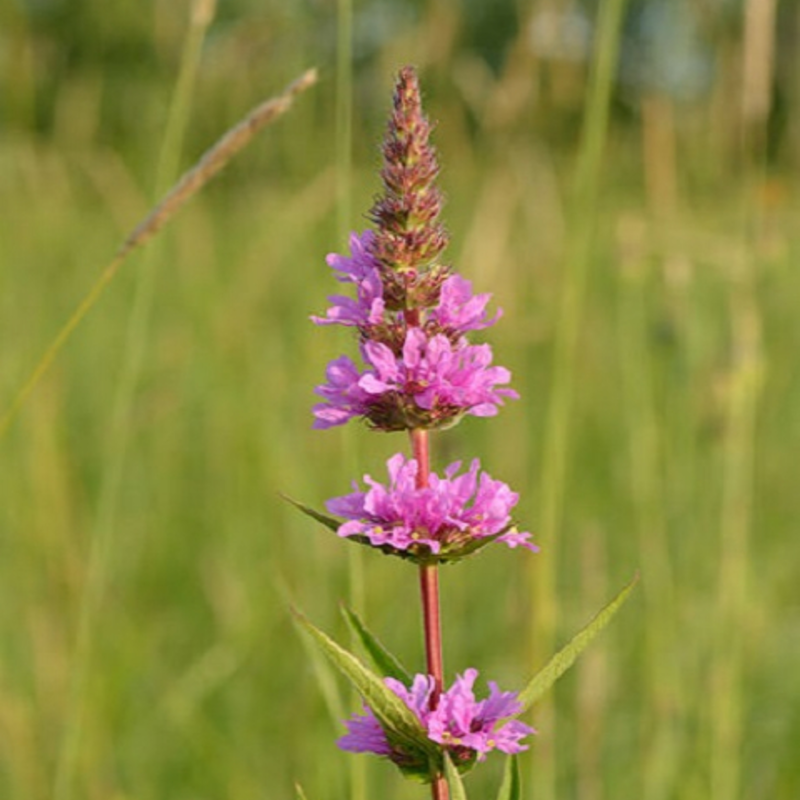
(682, 426)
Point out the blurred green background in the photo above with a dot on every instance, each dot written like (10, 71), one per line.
(650, 290)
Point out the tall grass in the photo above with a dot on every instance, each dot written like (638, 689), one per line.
(662, 677)
(100, 554)
(344, 224)
(685, 404)
(582, 219)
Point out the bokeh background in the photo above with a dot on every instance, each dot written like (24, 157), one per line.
(644, 247)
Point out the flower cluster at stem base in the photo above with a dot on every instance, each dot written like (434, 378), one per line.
(467, 728)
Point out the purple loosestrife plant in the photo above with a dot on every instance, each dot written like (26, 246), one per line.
(420, 373)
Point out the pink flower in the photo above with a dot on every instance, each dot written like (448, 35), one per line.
(462, 725)
(441, 519)
(345, 398)
(438, 373)
(362, 270)
(367, 309)
(431, 384)
(458, 310)
(356, 267)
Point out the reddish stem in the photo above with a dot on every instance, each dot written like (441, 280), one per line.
(412, 317)
(429, 588)
(421, 450)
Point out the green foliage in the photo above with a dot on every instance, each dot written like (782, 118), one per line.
(385, 662)
(395, 717)
(454, 782)
(403, 729)
(402, 726)
(510, 788)
(565, 657)
(331, 523)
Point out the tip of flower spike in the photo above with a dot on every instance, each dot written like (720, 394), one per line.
(409, 237)
(408, 73)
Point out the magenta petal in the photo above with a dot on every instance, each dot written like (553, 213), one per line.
(382, 358)
(365, 735)
(483, 410)
(357, 266)
(329, 417)
(371, 384)
(352, 528)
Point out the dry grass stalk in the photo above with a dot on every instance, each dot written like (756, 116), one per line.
(213, 160)
(759, 60)
(210, 163)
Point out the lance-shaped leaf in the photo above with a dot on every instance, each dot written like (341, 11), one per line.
(326, 680)
(451, 774)
(510, 787)
(385, 661)
(328, 522)
(322, 668)
(301, 795)
(396, 718)
(456, 553)
(565, 657)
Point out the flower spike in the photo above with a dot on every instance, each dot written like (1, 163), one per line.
(409, 237)
(411, 312)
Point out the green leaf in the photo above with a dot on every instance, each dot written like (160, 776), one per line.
(565, 657)
(323, 671)
(457, 790)
(326, 681)
(301, 795)
(422, 769)
(395, 717)
(385, 662)
(470, 548)
(329, 522)
(510, 787)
